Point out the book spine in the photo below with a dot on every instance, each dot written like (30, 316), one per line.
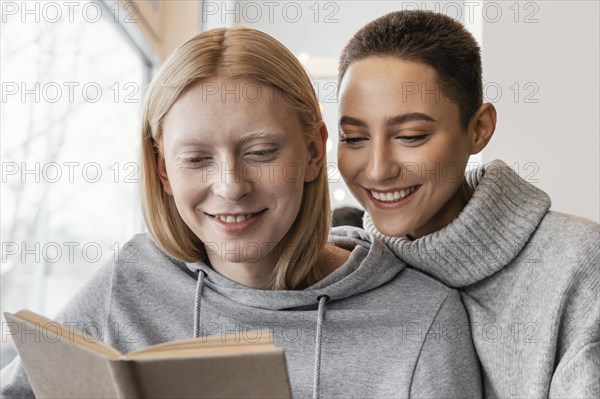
(124, 379)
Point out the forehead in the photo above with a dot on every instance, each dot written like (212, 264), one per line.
(229, 93)
(221, 108)
(393, 66)
(390, 85)
(388, 75)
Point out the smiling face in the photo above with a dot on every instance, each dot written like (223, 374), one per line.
(402, 149)
(236, 168)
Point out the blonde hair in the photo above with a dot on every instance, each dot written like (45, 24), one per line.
(246, 54)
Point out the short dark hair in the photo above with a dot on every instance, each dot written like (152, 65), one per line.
(430, 38)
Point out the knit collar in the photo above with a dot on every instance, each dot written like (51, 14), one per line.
(491, 230)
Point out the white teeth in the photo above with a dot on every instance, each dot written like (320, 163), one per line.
(395, 196)
(233, 219)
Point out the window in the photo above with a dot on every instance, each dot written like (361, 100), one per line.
(72, 89)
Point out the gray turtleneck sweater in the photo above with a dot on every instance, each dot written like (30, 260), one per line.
(386, 331)
(530, 281)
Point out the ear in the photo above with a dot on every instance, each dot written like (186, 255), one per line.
(162, 174)
(482, 127)
(316, 150)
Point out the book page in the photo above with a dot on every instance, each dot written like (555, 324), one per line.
(226, 343)
(202, 352)
(69, 334)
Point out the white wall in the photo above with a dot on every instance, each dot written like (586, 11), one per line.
(553, 142)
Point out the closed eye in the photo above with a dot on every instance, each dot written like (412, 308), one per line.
(192, 161)
(413, 139)
(352, 140)
(261, 155)
(196, 159)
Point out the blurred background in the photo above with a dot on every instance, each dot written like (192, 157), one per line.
(74, 74)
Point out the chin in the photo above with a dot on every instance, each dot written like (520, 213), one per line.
(390, 229)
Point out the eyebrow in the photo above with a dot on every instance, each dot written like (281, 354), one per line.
(348, 120)
(245, 137)
(412, 116)
(395, 120)
(259, 134)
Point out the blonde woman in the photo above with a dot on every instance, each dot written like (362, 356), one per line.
(235, 200)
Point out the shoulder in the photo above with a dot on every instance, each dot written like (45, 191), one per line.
(569, 262)
(568, 240)
(569, 226)
(135, 260)
(142, 256)
(560, 268)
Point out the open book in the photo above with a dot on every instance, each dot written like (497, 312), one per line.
(64, 363)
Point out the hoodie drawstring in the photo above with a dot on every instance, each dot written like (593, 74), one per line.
(319, 339)
(199, 288)
(319, 335)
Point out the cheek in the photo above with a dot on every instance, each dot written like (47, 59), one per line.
(286, 196)
(443, 162)
(284, 182)
(186, 188)
(291, 175)
(348, 164)
(453, 161)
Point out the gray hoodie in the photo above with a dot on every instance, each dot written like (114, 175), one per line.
(385, 330)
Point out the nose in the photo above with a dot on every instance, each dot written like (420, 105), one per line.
(231, 184)
(381, 165)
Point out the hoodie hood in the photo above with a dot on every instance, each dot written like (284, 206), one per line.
(370, 265)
